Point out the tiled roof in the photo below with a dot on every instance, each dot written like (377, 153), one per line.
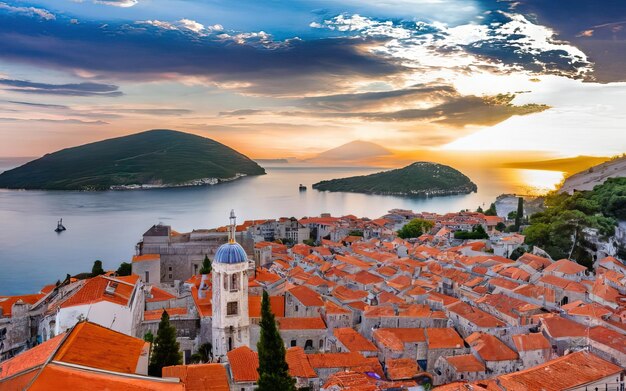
(6, 302)
(608, 337)
(306, 296)
(200, 377)
(490, 348)
(301, 323)
(92, 345)
(564, 373)
(466, 363)
(151, 315)
(94, 290)
(443, 338)
(565, 266)
(298, 363)
(533, 341)
(476, 316)
(31, 358)
(243, 364)
(332, 308)
(146, 257)
(277, 306)
(395, 338)
(352, 340)
(401, 368)
(558, 327)
(159, 294)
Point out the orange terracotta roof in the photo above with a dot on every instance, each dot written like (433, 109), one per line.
(466, 363)
(608, 337)
(67, 378)
(94, 290)
(92, 345)
(332, 308)
(264, 275)
(146, 257)
(298, 363)
(558, 327)
(6, 302)
(395, 338)
(203, 305)
(200, 377)
(31, 358)
(159, 294)
(490, 348)
(301, 323)
(475, 315)
(401, 368)
(336, 360)
(443, 338)
(156, 314)
(346, 294)
(244, 363)
(277, 306)
(565, 266)
(533, 341)
(564, 373)
(306, 296)
(353, 341)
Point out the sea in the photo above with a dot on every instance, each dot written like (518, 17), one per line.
(107, 225)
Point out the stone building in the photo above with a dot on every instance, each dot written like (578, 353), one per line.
(17, 329)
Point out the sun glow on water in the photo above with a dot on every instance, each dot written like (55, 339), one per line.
(538, 182)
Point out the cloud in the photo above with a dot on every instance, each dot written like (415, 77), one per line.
(71, 89)
(241, 112)
(41, 105)
(117, 3)
(244, 63)
(69, 121)
(29, 11)
(183, 25)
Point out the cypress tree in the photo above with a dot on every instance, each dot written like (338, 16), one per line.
(206, 265)
(97, 269)
(165, 351)
(520, 213)
(273, 369)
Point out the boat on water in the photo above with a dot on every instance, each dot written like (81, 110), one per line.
(302, 187)
(60, 227)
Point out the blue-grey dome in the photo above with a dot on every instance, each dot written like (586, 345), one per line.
(230, 253)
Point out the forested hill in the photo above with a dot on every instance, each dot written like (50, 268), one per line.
(155, 157)
(417, 179)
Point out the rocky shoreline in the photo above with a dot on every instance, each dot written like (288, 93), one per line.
(195, 182)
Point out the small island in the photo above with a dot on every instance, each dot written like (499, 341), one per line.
(152, 159)
(420, 179)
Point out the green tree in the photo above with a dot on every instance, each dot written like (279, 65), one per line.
(415, 228)
(125, 269)
(206, 265)
(204, 354)
(480, 210)
(500, 226)
(149, 337)
(273, 369)
(166, 348)
(520, 213)
(512, 215)
(97, 269)
(477, 232)
(492, 210)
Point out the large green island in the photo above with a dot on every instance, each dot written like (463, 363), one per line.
(151, 159)
(418, 179)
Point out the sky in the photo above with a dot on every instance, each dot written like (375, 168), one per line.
(277, 79)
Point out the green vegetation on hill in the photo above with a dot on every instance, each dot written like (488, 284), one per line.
(562, 228)
(415, 228)
(154, 157)
(417, 179)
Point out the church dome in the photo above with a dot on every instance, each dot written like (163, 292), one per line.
(230, 253)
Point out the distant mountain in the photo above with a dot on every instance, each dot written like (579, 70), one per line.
(156, 158)
(569, 165)
(354, 150)
(596, 175)
(417, 179)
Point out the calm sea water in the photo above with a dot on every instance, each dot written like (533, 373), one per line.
(107, 225)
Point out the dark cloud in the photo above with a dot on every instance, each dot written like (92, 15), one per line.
(237, 113)
(158, 112)
(455, 110)
(147, 53)
(42, 105)
(71, 89)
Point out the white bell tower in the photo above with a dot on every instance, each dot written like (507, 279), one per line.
(230, 320)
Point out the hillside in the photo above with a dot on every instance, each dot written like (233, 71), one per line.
(159, 158)
(354, 150)
(417, 179)
(596, 175)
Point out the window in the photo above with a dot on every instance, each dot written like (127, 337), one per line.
(169, 269)
(225, 281)
(232, 308)
(171, 276)
(293, 343)
(195, 268)
(308, 344)
(321, 343)
(296, 308)
(234, 283)
(147, 277)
